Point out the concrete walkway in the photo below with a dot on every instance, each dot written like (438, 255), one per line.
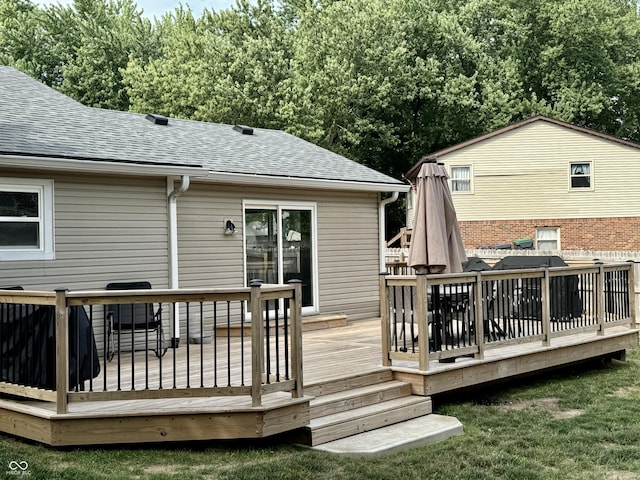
(396, 438)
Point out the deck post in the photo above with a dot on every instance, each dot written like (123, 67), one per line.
(546, 308)
(479, 314)
(633, 292)
(62, 351)
(257, 343)
(600, 298)
(422, 317)
(295, 307)
(384, 320)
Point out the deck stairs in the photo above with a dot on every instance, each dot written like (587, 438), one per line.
(374, 410)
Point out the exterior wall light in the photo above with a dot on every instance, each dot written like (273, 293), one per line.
(229, 227)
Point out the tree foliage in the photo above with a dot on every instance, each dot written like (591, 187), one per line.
(380, 81)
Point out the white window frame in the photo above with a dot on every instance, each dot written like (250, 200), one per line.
(44, 189)
(571, 176)
(540, 230)
(453, 179)
(279, 206)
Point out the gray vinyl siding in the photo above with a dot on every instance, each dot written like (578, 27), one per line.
(207, 257)
(347, 226)
(106, 229)
(349, 255)
(111, 229)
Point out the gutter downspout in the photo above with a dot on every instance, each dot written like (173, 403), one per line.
(382, 223)
(174, 278)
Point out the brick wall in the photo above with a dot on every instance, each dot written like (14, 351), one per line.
(622, 233)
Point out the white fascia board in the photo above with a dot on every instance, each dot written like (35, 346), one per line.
(296, 182)
(99, 166)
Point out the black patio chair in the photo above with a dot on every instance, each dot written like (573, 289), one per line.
(134, 319)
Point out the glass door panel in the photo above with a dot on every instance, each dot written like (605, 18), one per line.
(275, 257)
(261, 233)
(297, 261)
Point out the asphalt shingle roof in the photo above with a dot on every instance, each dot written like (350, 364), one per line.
(36, 120)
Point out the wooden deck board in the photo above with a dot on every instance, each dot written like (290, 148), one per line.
(329, 355)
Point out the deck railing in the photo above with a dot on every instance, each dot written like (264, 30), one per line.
(441, 317)
(49, 351)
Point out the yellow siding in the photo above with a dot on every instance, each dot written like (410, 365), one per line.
(524, 174)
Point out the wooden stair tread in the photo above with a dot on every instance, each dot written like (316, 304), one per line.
(358, 397)
(364, 419)
(341, 384)
(390, 407)
(355, 392)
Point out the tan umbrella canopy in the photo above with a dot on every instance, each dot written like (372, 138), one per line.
(436, 243)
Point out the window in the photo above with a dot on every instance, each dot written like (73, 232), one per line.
(280, 246)
(461, 179)
(26, 219)
(580, 175)
(548, 238)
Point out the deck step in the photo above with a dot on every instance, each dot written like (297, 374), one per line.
(347, 383)
(313, 322)
(358, 397)
(351, 422)
(318, 322)
(418, 432)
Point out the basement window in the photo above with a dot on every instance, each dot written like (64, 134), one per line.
(26, 219)
(547, 238)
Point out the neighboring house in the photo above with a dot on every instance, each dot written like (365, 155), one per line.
(565, 187)
(91, 196)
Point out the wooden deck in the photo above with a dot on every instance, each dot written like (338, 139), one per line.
(331, 354)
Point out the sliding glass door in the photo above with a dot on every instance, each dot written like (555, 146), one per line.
(280, 245)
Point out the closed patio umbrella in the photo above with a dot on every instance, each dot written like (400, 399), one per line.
(436, 243)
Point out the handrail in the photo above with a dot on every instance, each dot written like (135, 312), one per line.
(515, 306)
(278, 335)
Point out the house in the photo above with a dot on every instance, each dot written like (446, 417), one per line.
(91, 196)
(563, 186)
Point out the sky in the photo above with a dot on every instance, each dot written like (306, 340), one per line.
(158, 7)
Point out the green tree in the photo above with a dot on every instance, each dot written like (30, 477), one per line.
(79, 49)
(575, 60)
(385, 82)
(96, 39)
(589, 63)
(176, 82)
(228, 67)
(25, 43)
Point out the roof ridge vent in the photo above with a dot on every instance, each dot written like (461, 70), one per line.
(243, 129)
(157, 119)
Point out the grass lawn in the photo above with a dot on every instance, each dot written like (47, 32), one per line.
(576, 423)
